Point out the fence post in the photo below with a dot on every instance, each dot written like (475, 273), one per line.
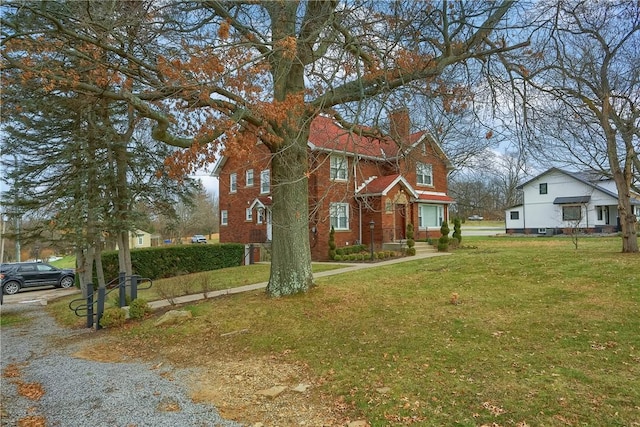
(90, 305)
(101, 296)
(122, 288)
(134, 286)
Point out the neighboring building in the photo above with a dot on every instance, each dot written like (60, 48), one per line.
(353, 180)
(139, 239)
(559, 202)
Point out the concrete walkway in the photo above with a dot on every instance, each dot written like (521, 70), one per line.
(349, 267)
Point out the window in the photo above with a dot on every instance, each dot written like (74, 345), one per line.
(248, 216)
(338, 168)
(339, 215)
(140, 239)
(248, 178)
(600, 212)
(233, 183)
(424, 174)
(224, 217)
(571, 213)
(388, 206)
(543, 188)
(260, 216)
(265, 182)
(514, 215)
(430, 216)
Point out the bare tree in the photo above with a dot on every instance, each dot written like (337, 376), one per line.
(582, 92)
(241, 73)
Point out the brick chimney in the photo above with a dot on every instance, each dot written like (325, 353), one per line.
(399, 125)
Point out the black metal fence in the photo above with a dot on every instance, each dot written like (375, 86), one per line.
(93, 305)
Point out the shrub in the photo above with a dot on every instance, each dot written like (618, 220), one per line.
(443, 242)
(340, 251)
(410, 242)
(113, 317)
(411, 251)
(169, 261)
(332, 243)
(457, 230)
(337, 258)
(380, 255)
(139, 308)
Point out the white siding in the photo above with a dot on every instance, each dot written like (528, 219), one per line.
(540, 212)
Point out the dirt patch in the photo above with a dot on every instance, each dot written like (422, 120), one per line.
(239, 389)
(234, 386)
(100, 352)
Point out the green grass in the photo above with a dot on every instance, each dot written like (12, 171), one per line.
(68, 261)
(10, 319)
(207, 281)
(543, 335)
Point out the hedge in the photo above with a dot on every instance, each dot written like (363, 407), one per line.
(170, 261)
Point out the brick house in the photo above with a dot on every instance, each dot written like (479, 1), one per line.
(355, 182)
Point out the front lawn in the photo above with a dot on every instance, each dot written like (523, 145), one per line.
(511, 331)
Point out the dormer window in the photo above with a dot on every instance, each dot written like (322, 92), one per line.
(338, 168)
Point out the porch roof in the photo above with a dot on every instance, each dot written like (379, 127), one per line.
(571, 200)
(261, 202)
(382, 185)
(432, 197)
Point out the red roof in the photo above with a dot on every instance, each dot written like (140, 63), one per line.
(378, 185)
(326, 134)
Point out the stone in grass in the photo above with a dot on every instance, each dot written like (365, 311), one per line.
(300, 388)
(272, 392)
(172, 317)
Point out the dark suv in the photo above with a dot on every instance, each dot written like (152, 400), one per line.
(27, 274)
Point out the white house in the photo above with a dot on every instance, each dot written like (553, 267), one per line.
(557, 202)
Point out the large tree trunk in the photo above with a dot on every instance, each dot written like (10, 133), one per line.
(627, 218)
(291, 256)
(621, 175)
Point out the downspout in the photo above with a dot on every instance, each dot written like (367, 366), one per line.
(355, 189)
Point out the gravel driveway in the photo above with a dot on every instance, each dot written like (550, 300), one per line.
(43, 383)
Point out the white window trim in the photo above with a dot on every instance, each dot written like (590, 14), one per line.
(140, 239)
(233, 183)
(248, 215)
(224, 217)
(340, 164)
(261, 216)
(248, 178)
(421, 220)
(333, 210)
(419, 168)
(265, 180)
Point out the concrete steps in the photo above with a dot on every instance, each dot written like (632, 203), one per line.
(421, 247)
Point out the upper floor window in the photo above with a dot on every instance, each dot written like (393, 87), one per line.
(224, 218)
(265, 181)
(338, 168)
(233, 183)
(248, 179)
(424, 174)
(339, 216)
(543, 188)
